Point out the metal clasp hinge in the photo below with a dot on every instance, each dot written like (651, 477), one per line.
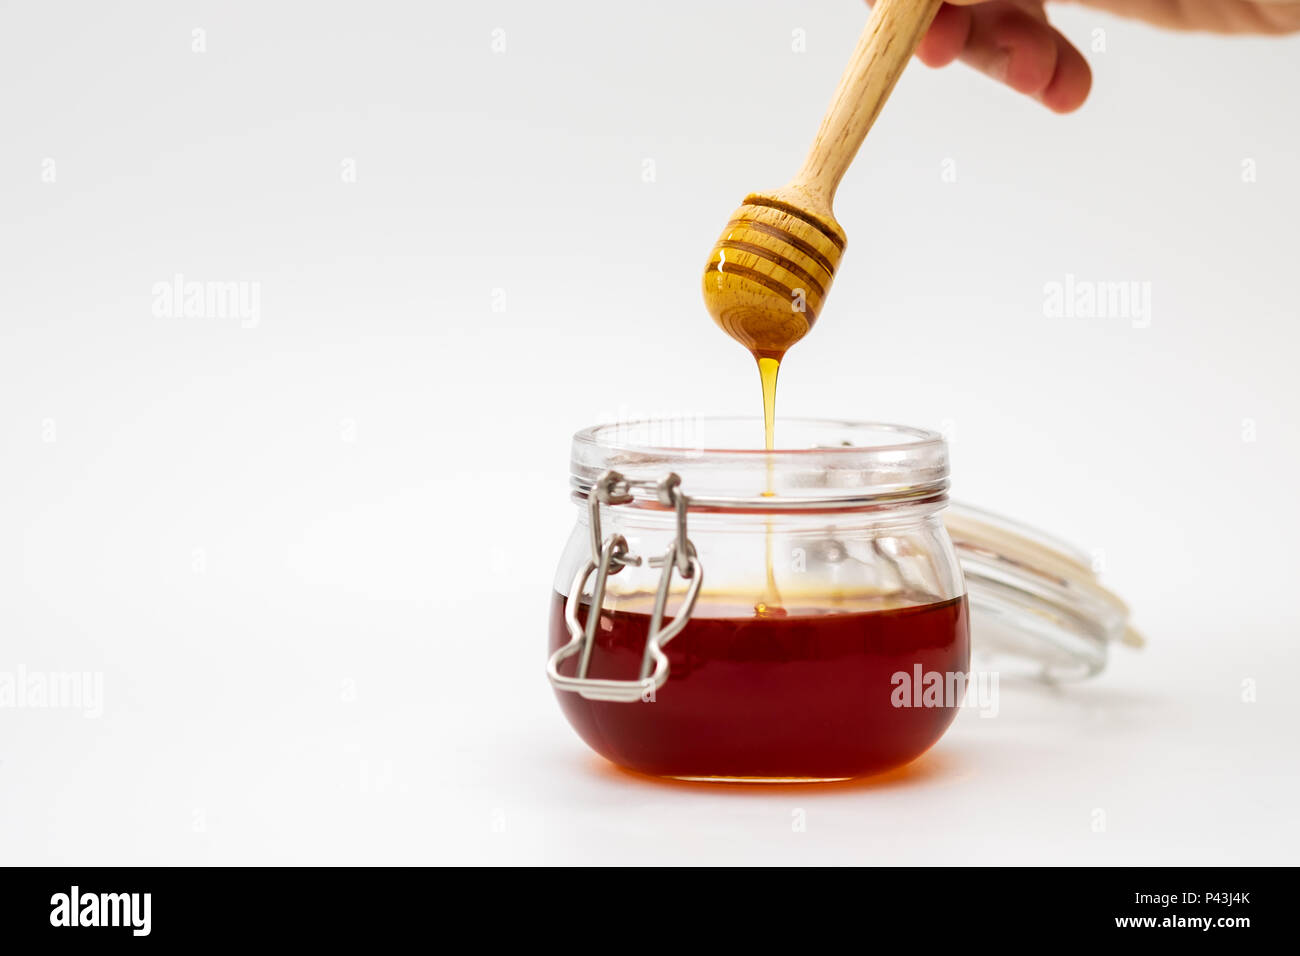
(609, 556)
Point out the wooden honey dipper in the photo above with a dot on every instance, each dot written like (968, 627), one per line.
(772, 267)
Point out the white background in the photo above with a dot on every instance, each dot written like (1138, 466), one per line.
(311, 555)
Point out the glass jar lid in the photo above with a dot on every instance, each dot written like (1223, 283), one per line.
(1033, 599)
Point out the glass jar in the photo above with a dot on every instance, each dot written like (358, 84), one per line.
(797, 614)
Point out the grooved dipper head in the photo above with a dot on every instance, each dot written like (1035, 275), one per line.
(770, 271)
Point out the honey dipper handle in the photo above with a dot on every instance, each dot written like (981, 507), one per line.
(888, 42)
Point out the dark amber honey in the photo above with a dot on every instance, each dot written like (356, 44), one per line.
(810, 693)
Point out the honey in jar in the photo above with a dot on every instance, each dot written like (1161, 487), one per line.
(808, 694)
(843, 523)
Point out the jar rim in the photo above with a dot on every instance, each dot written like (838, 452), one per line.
(829, 464)
(595, 435)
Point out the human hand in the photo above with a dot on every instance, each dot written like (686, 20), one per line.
(1013, 42)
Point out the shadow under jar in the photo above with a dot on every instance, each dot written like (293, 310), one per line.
(812, 620)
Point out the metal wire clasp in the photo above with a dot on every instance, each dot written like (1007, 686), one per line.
(609, 556)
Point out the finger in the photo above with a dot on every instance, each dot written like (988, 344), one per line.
(1026, 53)
(1071, 82)
(1011, 46)
(946, 38)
